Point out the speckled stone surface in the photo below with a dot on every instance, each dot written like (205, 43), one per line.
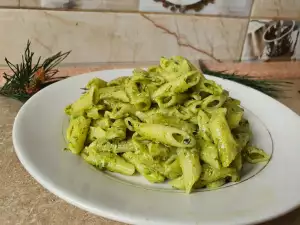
(23, 201)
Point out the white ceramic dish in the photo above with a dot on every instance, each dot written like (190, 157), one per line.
(267, 191)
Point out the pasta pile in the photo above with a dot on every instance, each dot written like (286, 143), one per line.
(167, 123)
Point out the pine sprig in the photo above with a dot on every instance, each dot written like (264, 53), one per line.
(27, 77)
(273, 88)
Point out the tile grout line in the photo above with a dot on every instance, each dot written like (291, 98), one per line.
(275, 18)
(138, 5)
(137, 11)
(124, 12)
(246, 31)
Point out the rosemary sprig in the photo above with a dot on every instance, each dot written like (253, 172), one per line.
(273, 88)
(27, 77)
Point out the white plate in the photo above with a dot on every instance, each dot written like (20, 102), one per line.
(267, 191)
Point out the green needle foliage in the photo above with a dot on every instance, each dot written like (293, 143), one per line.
(27, 77)
(273, 88)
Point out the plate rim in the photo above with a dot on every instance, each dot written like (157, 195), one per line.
(102, 211)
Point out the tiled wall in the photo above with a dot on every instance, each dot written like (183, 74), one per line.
(102, 31)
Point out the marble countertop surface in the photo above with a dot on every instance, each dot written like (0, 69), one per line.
(24, 201)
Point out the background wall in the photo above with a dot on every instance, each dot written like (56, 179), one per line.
(141, 31)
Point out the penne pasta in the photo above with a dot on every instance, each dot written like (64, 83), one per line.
(167, 122)
(222, 137)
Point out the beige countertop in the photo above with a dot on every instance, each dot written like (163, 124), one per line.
(24, 201)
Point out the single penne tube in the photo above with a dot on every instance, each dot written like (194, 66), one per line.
(242, 140)
(194, 105)
(118, 81)
(173, 169)
(193, 120)
(119, 165)
(216, 184)
(171, 121)
(177, 183)
(120, 110)
(179, 85)
(209, 87)
(138, 95)
(234, 117)
(234, 112)
(210, 174)
(95, 112)
(151, 88)
(238, 162)
(95, 133)
(242, 134)
(180, 112)
(113, 92)
(145, 166)
(103, 123)
(255, 155)
(196, 96)
(103, 145)
(96, 83)
(175, 67)
(85, 102)
(108, 160)
(203, 124)
(162, 134)
(117, 131)
(213, 102)
(208, 153)
(132, 124)
(77, 133)
(158, 151)
(136, 138)
(244, 127)
(145, 77)
(167, 100)
(190, 165)
(222, 137)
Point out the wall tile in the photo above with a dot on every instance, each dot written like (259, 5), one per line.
(9, 3)
(276, 8)
(117, 5)
(119, 37)
(130, 5)
(272, 40)
(30, 3)
(216, 7)
(55, 3)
